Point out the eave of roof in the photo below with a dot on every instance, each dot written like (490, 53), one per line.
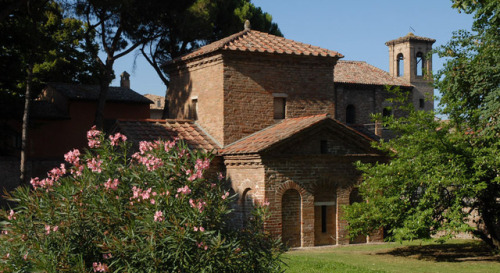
(269, 137)
(153, 129)
(410, 37)
(256, 41)
(85, 92)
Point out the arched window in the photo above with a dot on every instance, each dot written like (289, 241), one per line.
(350, 114)
(420, 64)
(400, 68)
(386, 112)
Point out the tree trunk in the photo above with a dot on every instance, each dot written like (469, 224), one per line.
(103, 93)
(164, 114)
(24, 134)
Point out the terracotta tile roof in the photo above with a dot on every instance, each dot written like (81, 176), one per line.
(409, 37)
(91, 92)
(273, 134)
(357, 72)
(256, 41)
(151, 130)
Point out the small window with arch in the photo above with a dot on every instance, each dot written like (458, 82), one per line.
(400, 65)
(350, 114)
(420, 62)
(386, 112)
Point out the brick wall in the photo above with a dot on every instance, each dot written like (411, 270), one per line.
(251, 79)
(290, 218)
(245, 174)
(201, 79)
(311, 175)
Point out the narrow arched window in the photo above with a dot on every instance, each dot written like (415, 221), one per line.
(400, 68)
(420, 64)
(386, 112)
(350, 114)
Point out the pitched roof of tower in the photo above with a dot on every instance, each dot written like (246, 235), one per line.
(285, 129)
(150, 130)
(358, 72)
(409, 37)
(256, 41)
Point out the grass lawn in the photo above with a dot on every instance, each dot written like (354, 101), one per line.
(454, 256)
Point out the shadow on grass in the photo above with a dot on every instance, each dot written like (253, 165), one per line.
(449, 252)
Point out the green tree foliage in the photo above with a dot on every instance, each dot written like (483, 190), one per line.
(470, 80)
(121, 27)
(205, 21)
(444, 177)
(37, 32)
(38, 45)
(156, 210)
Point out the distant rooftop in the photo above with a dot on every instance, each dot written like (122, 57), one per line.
(91, 92)
(358, 72)
(158, 101)
(409, 37)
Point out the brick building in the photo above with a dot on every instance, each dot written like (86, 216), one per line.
(287, 121)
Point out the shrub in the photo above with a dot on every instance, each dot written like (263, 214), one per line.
(153, 211)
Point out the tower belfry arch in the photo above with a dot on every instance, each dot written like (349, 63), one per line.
(410, 60)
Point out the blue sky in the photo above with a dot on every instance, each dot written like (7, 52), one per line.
(356, 28)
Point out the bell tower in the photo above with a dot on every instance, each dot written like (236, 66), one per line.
(410, 61)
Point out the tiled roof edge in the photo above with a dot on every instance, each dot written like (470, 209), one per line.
(208, 135)
(271, 126)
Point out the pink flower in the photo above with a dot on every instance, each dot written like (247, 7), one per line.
(145, 146)
(72, 157)
(202, 229)
(56, 173)
(111, 184)
(202, 245)
(220, 176)
(114, 139)
(93, 133)
(225, 195)
(25, 257)
(55, 228)
(94, 165)
(44, 183)
(98, 267)
(195, 228)
(202, 164)
(158, 216)
(47, 229)
(184, 190)
(199, 204)
(11, 215)
(94, 143)
(169, 145)
(107, 256)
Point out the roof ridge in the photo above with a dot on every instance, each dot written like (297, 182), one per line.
(252, 134)
(351, 61)
(276, 124)
(155, 120)
(207, 134)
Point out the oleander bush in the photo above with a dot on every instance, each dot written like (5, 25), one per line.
(152, 211)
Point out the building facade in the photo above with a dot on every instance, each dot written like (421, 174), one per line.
(289, 120)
